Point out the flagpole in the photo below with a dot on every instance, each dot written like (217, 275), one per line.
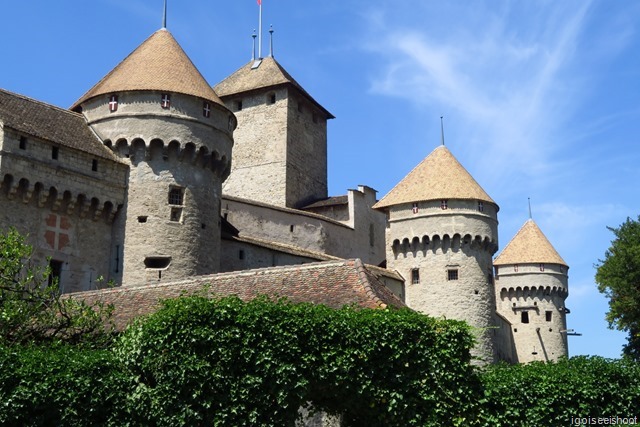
(260, 31)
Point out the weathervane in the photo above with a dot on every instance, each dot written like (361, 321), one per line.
(260, 30)
(529, 199)
(164, 15)
(441, 130)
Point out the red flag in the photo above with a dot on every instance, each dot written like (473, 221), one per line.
(260, 2)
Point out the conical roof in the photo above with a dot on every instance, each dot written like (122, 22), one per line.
(268, 73)
(529, 246)
(439, 176)
(159, 64)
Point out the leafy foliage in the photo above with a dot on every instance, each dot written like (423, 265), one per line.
(550, 394)
(618, 277)
(60, 385)
(31, 307)
(225, 362)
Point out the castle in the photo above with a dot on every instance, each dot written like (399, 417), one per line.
(155, 180)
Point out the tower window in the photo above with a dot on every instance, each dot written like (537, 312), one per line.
(55, 151)
(452, 274)
(272, 98)
(113, 103)
(415, 276)
(241, 254)
(94, 165)
(239, 105)
(176, 214)
(480, 207)
(176, 196)
(23, 143)
(414, 208)
(157, 262)
(206, 109)
(515, 268)
(541, 267)
(548, 315)
(524, 317)
(444, 204)
(165, 101)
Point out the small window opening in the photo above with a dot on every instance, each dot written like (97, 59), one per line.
(524, 317)
(239, 105)
(414, 208)
(548, 315)
(23, 143)
(142, 219)
(541, 267)
(165, 101)
(476, 292)
(203, 226)
(291, 227)
(241, 254)
(55, 267)
(176, 214)
(157, 261)
(452, 274)
(113, 103)
(415, 276)
(480, 207)
(176, 196)
(206, 109)
(515, 329)
(94, 165)
(444, 204)
(272, 98)
(55, 151)
(515, 268)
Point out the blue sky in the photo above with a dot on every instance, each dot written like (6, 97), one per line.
(540, 98)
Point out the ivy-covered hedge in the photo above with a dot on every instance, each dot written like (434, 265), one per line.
(553, 394)
(60, 385)
(228, 363)
(225, 362)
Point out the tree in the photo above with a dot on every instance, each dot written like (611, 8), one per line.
(32, 310)
(618, 277)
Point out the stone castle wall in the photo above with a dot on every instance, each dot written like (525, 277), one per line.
(64, 207)
(178, 160)
(445, 257)
(280, 152)
(531, 297)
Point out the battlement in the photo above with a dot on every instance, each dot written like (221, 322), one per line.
(442, 243)
(137, 150)
(533, 292)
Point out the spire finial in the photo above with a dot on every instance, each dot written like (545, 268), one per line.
(271, 41)
(260, 30)
(253, 51)
(529, 199)
(164, 15)
(442, 130)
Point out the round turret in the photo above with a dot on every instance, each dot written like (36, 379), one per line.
(441, 236)
(531, 289)
(156, 112)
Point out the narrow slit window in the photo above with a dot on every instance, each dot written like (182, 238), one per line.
(414, 208)
(272, 99)
(524, 317)
(480, 207)
(206, 109)
(23, 143)
(241, 254)
(55, 152)
(415, 276)
(548, 315)
(239, 105)
(94, 165)
(444, 204)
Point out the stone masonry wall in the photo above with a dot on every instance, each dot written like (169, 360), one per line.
(531, 297)
(445, 256)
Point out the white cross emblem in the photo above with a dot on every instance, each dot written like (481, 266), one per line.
(113, 103)
(166, 101)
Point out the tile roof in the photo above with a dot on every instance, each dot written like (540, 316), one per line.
(529, 246)
(50, 123)
(329, 201)
(332, 283)
(269, 74)
(160, 64)
(438, 176)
